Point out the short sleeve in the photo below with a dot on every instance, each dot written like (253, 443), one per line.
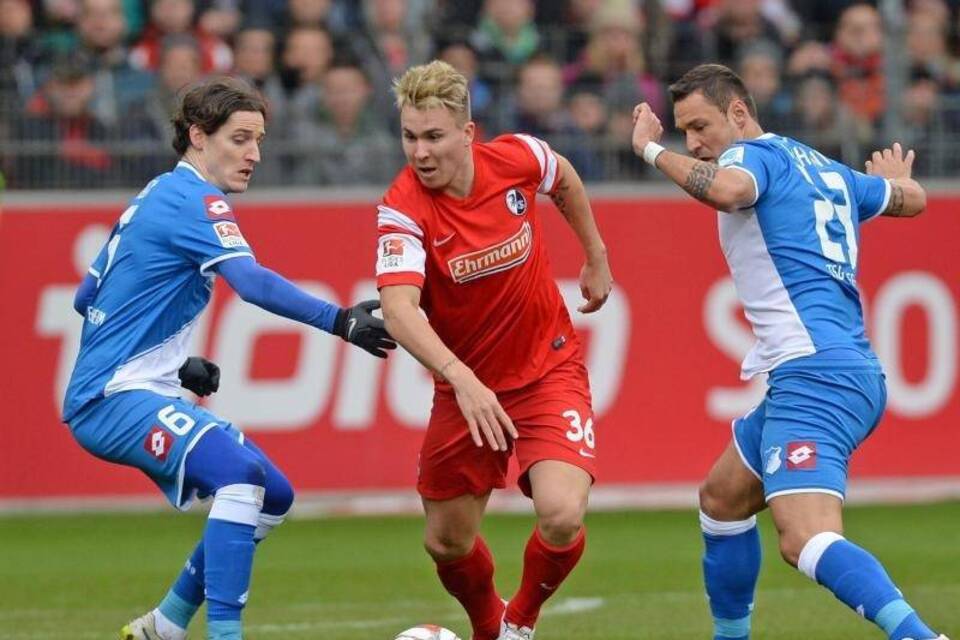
(755, 160)
(544, 172)
(401, 258)
(208, 232)
(872, 194)
(99, 264)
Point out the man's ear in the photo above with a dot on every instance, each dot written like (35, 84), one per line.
(197, 137)
(470, 130)
(739, 113)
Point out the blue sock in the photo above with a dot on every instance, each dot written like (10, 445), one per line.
(224, 630)
(858, 580)
(731, 566)
(228, 549)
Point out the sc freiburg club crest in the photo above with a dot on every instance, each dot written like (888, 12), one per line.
(516, 203)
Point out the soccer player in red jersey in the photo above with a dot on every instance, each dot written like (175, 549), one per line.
(461, 238)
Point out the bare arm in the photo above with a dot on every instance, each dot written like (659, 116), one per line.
(479, 405)
(725, 189)
(571, 199)
(907, 197)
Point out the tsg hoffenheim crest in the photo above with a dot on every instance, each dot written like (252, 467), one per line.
(516, 203)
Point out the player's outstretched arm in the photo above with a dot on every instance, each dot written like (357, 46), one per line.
(725, 189)
(485, 418)
(907, 197)
(570, 197)
(271, 291)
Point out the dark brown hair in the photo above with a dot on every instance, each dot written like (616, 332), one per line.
(208, 104)
(718, 84)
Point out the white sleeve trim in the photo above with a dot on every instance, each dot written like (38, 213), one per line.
(756, 189)
(387, 217)
(209, 263)
(94, 273)
(545, 157)
(888, 191)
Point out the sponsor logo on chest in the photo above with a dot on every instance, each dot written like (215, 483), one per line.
(502, 256)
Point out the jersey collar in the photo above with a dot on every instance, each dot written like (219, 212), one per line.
(186, 165)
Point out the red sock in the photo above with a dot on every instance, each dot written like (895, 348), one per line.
(470, 580)
(544, 568)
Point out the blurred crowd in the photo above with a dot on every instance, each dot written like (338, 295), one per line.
(87, 86)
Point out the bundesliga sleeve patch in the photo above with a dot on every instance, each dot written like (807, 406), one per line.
(399, 253)
(228, 233)
(218, 209)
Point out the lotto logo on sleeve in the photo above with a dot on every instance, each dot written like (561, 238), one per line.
(218, 208)
(158, 443)
(229, 235)
(801, 455)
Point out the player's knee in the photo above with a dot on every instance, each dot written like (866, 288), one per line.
(720, 505)
(447, 545)
(791, 545)
(279, 495)
(560, 526)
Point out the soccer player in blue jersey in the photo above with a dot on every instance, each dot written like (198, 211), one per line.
(141, 300)
(789, 221)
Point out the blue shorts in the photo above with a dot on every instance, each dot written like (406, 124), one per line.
(815, 414)
(151, 432)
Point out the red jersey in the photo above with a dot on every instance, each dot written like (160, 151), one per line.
(480, 262)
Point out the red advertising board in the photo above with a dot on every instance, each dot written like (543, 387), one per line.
(663, 354)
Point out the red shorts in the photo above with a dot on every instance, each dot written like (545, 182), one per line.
(552, 415)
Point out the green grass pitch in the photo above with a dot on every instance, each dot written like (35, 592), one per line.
(79, 577)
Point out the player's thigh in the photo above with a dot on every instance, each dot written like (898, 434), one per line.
(732, 490)
(554, 418)
(148, 431)
(452, 525)
(278, 490)
(451, 464)
(814, 422)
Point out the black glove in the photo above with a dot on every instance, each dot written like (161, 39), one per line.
(358, 326)
(200, 376)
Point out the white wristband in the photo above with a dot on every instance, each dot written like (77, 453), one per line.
(651, 151)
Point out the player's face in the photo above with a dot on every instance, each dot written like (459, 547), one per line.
(709, 131)
(231, 152)
(436, 146)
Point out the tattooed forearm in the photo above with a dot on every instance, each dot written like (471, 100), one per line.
(895, 207)
(700, 179)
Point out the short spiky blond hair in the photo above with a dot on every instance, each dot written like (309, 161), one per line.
(436, 84)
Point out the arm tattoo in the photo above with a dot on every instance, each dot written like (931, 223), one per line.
(895, 206)
(559, 197)
(700, 179)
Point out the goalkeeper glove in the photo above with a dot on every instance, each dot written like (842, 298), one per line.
(357, 325)
(200, 376)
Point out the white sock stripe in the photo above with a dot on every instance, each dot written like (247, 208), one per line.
(266, 524)
(730, 528)
(239, 503)
(813, 551)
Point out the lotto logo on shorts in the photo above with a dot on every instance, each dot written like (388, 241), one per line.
(218, 208)
(158, 443)
(801, 455)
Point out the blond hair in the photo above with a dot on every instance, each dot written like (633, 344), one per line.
(436, 84)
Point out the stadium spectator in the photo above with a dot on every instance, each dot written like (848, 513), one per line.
(254, 61)
(307, 54)
(614, 54)
(391, 40)
(101, 27)
(822, 122)
(928, 50)
(462, 57)
(177, 16)
(760, 65)
(588, 117)
(19, 55)
(857, 54)
(346, 142)
(734, 23)
(505, 38)
(62, 141)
